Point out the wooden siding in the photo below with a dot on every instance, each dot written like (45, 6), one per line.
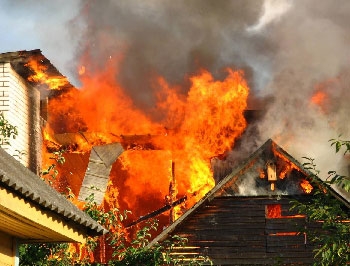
(236, 231)
(20, 104)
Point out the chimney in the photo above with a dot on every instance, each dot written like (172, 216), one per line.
(20, 104)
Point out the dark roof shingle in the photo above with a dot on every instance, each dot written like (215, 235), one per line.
(17, 178)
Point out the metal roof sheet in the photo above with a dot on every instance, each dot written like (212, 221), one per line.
(17, 178)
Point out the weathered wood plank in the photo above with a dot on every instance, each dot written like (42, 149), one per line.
(237, 232)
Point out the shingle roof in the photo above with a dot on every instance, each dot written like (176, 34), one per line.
(20, 180)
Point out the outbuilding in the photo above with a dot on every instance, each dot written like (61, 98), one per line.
(246, 219)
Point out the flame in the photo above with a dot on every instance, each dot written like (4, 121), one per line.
(273, 211)
(261, 173)
(285, 166)
(324, 94)
(306, 186)
(319, 98)
(195, 128)
(189, 130)
(81, 70)
(40, 74)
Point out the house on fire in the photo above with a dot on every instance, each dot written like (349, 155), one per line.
(246, 218)
(30, 210)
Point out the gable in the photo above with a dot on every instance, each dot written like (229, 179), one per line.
(250, 179)
(269, 171)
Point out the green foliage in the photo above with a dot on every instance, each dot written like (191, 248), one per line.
(7, 131)
(133, 252)
(52, 171)
(44, 254)
(332, 240)
(334, 178)
(339, 144)
(136, 251)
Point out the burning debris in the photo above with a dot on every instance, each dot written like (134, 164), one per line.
(98, 171)
(96, 127)
(127, 157)
(207, 123)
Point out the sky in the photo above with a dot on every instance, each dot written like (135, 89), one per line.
(289, 50)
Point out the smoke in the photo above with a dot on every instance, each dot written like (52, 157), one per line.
(272, 11)
(28, 25)
(289, 50)
(312, 56)
(173, 39)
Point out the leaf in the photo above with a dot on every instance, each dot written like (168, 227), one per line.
(337, 146)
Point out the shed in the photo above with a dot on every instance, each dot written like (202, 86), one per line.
(246, 218)
(31, 212)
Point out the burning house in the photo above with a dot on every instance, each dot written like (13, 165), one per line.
(116, 152)
(246, 219)
(161, 168)
(30, 210)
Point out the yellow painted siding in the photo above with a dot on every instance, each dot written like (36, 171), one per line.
(33, 224)
(7, 250)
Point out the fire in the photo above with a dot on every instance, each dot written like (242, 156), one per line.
(286, 165)
(81, 70)
(306, 186)
(273, 211)
(319, 98)
(42, 76)
(261, 173)
(189, 130)
(324, 94)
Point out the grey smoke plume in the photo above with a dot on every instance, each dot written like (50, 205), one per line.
(312, 55)
(40, 24)
(272, 11)
(172, 39)
(289, 50)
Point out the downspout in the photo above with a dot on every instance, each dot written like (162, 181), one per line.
(16, 251)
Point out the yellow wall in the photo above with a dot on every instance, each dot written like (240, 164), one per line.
(7, 250)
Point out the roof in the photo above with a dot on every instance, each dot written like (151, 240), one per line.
(228, 187)
(17, 178)
(20, 63)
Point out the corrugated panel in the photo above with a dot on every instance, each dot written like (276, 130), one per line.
(98, 170)
(15, 177)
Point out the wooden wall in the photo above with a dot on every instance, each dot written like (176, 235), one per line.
(237, 231)
(20, 104)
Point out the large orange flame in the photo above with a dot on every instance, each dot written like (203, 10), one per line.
(285, 165)
(40, 74)
(195, 127)
(190, 129)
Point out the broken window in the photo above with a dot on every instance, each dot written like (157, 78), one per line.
(282, 231)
